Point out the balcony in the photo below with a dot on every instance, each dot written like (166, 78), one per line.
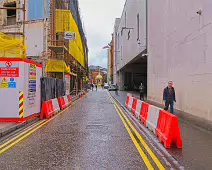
(58, 44)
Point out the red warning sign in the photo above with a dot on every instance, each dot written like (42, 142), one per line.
(9, 72)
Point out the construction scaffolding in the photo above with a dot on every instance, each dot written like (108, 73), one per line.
(72, 52)
(66, 23)
(13, 45)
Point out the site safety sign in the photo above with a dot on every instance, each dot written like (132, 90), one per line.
(9, 69)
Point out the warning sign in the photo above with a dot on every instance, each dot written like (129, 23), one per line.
(4, 83)
(8, 69)
(12, 83)
(32, 86)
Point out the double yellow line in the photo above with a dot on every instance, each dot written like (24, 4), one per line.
(129, 127)
(15, 140)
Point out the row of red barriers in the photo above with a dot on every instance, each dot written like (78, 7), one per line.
(164, 124)
(51, 107)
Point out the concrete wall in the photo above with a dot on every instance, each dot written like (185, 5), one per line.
(117, 22)
(180, 49)
(34, 37)
(131, 42)
(108, 66)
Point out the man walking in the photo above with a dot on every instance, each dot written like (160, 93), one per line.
(116, 90)
(169, 97)
(92, 86)
(141, 89)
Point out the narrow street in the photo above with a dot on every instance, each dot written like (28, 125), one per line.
(103, 85)
(89, 135)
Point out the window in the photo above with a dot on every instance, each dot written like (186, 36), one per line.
(11, 13)
(36, 9)
(138, 28)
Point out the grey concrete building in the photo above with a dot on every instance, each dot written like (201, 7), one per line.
(130, 61)
(180, 49)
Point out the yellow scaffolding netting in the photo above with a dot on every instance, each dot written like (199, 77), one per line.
(65, 23)
(12, 46)
(57, 66)
(62, 20)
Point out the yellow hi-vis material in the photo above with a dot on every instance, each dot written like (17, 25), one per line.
(62, 20)
(65, 23)
(57, 66)
(12, 46)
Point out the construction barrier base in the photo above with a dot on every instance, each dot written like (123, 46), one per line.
(19, 119)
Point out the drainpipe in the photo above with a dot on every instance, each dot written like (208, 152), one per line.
(147, 26)
(147, 45)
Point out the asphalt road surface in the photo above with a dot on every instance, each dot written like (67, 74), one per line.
(92, 135)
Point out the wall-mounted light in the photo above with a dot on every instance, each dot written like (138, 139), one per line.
(145, 55)
(199, 12)
(125, 28)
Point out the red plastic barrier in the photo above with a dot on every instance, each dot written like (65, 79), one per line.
(144, 112)
(62, 103)
(69, 99)
(127, 101)
(168, 130)
(47, 110)
(134, 105)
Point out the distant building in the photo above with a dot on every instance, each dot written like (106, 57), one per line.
(94, 74)
(115, 52)
(45, 23)
(110, 62)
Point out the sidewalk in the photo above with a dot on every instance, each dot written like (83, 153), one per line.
(8, 127)
(197, 142)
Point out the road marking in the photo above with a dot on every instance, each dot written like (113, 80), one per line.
(11, 140)
(155, 159)
(16, 139)
(141, 152)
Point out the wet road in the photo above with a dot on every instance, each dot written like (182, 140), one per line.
(196, 153)
(90, 135)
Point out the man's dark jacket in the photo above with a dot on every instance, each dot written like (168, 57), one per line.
(169, 97)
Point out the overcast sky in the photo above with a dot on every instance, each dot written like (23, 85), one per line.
(99, 18)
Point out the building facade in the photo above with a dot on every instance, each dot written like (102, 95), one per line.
(180, 49)
(115, 52)
(95, 74)
(44, 24)
(130, 67)
(11, 22)
(110, 62)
